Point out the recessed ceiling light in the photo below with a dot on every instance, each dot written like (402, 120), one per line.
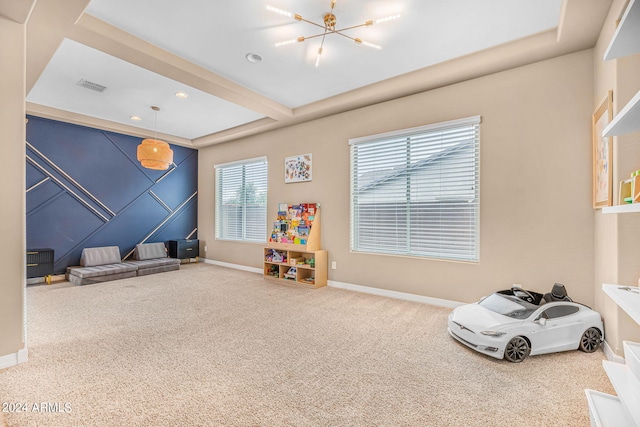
(253, 57)
(136, 118)
(182, 95)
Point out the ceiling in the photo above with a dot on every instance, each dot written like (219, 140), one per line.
(144, 51)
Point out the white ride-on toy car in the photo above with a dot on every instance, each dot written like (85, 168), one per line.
(516, 323)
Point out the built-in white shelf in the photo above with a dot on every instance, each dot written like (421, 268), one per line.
(629, 301)
(632, 357)
(624, 410)
(606, 410)
(626, 208)
(626, 39)
(627, 387)
(627, 120)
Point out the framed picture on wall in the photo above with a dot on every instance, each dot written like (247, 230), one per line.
(602, 154)
(297, 168)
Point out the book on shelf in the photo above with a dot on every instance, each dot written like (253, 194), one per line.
(294, 225)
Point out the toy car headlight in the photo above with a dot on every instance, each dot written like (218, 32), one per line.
(493, 333)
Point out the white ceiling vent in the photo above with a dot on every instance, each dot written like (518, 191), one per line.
(90, 85)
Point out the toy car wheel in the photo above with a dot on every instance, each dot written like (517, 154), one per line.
(590, 340)
(517, 350)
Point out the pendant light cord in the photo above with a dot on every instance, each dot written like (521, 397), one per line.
(155, 121)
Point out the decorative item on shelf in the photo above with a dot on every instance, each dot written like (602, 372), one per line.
(291, 273)
(629, 190)
(296, 260)
(273, 271)
(309, 280)
(153, 153)
(276, 256)
(329, 26)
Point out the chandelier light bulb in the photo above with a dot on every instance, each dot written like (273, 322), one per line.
(387, 18)
(285, 42)
(279, 11)
(375, 46)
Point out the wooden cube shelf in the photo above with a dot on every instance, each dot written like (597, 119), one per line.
(309, 269)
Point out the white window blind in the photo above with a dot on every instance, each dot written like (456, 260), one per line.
(416, 192)
(241, 200)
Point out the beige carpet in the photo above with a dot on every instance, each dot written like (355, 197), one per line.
(210, 346)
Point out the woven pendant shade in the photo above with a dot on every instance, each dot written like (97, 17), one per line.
(155, 154)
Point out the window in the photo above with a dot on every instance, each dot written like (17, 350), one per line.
(559, 311)
(416, 192)
(241, 200)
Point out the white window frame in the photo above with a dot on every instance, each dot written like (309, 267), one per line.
(223, 229)
(380, 177)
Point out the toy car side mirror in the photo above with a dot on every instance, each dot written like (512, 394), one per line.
(541, 321)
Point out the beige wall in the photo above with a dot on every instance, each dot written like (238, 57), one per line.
(536, 216)
(616, 236)
(12, 175)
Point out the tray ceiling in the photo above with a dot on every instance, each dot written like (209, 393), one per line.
(144, 51)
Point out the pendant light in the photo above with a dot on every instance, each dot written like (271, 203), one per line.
(153, 153)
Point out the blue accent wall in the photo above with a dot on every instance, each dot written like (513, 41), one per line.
(85, 188)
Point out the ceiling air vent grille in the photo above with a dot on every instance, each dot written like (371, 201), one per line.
(90, 85)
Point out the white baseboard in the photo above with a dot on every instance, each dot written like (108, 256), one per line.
(236, 266)
(395, 294)
(14, 359)
(357, 288)
(610, 354)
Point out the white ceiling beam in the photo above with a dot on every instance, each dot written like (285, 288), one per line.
(582, 20)
(100, 35)
(17, 11)
(47, 26)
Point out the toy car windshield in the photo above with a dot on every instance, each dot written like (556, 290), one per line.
(508, 305)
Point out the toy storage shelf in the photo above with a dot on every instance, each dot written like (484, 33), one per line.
(310, 267)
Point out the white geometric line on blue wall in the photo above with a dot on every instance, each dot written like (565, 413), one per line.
(73, 181)
(38, 184)
(159, 200)
(192, 233)
(168, 217)
(166, 174)
(80, 199)
(128, 255)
